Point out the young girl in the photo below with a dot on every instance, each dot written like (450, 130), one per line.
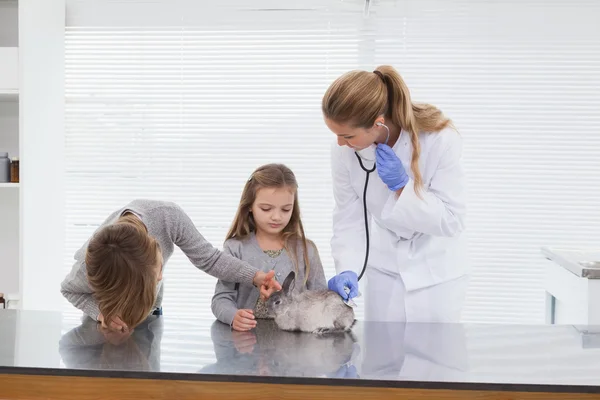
(267, 232)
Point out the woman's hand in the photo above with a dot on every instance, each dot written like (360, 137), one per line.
(346, 279)
(390, 168)
(266, 284)
(243, 320)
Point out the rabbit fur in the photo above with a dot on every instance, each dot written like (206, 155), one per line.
(315, 311)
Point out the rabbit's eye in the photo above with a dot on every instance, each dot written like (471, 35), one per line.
(278, 302)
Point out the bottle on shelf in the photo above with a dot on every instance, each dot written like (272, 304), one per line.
(4, 168)
(14, 170)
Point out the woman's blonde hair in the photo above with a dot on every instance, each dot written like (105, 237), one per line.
(121, 262)
(358, 98)
(272, 176)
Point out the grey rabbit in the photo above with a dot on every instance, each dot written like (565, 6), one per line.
(316, 311)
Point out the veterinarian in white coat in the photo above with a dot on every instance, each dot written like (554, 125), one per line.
(417, 267)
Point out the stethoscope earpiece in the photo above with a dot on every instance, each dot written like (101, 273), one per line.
(387, 129)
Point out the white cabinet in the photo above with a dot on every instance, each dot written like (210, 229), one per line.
(572, 285)
(10, 193)
(32, 40)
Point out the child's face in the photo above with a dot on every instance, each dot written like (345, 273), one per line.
(272, 209)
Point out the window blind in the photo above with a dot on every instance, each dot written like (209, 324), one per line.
(520, 80)
(181, 100)
(184, 107)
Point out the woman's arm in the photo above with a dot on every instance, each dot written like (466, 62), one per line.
(223, 303)
(202, 253)
(442, 210)
(76, 290)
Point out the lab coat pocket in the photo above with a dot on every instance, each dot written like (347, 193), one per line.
(391, 222)
(382, 253)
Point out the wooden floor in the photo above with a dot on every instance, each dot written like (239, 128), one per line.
(13, 387)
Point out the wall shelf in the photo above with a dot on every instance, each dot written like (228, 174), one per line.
(9, 95)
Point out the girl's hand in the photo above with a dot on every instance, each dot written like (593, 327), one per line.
(244, 341)
(266, 284)
(243, 320)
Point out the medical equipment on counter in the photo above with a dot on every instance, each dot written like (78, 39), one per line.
(572, 286)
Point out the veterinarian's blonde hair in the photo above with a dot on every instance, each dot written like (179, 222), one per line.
(358, 98)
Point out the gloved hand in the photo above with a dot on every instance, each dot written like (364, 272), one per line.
(345, 371)
(347, 279)
(389, 168)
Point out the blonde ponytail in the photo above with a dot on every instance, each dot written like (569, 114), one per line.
(360, 97)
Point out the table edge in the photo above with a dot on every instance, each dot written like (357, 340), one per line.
(367, 383)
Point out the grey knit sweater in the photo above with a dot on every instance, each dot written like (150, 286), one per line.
(229, 297)
(170, 226)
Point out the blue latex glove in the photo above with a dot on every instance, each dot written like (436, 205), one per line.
(347, 279)
(345, 371)
(389, 168)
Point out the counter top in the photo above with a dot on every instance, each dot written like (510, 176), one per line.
(582, 263)
(481, 356)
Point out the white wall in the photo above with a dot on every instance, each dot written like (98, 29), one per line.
(42, 30)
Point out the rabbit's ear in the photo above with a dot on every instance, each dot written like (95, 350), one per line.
(289, 280)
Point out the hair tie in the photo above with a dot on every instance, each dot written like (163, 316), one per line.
(379, 74)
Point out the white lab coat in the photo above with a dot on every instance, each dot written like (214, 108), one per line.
(419, 240)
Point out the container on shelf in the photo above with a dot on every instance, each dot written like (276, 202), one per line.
(14, 170)
(4, 168)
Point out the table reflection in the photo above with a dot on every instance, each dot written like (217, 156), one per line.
(89, 346)
(374, 351)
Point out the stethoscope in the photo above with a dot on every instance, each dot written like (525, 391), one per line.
(368, 171)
